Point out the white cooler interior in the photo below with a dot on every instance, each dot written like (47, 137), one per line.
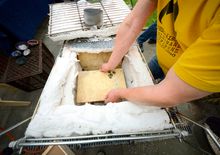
(58, 116)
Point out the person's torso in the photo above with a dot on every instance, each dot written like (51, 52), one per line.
(179, 24)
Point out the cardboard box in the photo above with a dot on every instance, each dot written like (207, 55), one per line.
(92, 86)
(58, 150)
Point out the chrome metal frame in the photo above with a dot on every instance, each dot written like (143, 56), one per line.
(207, 130)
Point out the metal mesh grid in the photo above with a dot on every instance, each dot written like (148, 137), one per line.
(97, 140)
(68, 16)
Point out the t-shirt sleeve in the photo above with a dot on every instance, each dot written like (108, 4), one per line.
(199, 65)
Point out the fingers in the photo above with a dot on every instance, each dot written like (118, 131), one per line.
(106, 99)
(106, 67)
(112, 96)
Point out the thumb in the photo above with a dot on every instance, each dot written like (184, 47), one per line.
(106, 98)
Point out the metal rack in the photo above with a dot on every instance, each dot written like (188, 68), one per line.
(67, 18)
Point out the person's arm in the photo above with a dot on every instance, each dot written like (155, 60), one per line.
(128, 31)
(169, 92)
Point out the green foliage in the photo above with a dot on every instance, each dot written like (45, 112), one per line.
(93, 1)
(152, 19)
(130, 2)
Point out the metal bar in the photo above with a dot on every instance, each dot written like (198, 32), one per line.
(105, 12)
(99, 140)
(206, 129)
(72, 23)
(117, 17)
(100, 136)
(171, 119)
(63, 16)
(50, 14)
(59, 17)
(118, 10)
(79, 16)
(64, 13)
(63, 6)
(64, 27)
(14, 103)
(55, 34)
(64, 30)
(63, 9)
(14, 126)
(64, 20)
(112, 10)
(110, 16)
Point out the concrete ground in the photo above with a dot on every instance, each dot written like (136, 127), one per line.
(192, 146)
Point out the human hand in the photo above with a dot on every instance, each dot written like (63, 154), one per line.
(106, 67)
(113, 96)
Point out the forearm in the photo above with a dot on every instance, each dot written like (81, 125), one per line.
(170, 92)
(130, 28)
(149, 95)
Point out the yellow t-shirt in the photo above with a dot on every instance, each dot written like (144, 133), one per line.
(189, 41)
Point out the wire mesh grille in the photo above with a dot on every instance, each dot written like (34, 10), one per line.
(107, 139)
(68, 16)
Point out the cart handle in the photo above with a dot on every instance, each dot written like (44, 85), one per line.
(203, 127)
